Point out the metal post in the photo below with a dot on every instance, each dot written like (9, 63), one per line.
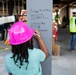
(7, 7)
(22, 4)
(14, 6)
(3, 7)
(18, 7)
(39, 16)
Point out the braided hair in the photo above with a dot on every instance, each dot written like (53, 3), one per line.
(20, 52)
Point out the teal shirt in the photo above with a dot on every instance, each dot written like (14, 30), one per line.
(34, 67)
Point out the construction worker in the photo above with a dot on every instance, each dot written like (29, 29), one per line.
(73, 30)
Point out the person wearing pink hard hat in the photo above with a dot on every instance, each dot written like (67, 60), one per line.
(24, 59)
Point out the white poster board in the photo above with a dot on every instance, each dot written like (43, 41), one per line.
(39, 16)
(7, 19)
(2, 20)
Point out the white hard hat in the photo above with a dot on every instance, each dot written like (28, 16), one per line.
(23, 12)
(74, 10)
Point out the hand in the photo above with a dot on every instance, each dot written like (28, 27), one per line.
(37, 34)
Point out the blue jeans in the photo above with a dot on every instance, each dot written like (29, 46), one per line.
(73, 40)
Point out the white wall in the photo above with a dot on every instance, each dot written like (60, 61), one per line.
(62, 13)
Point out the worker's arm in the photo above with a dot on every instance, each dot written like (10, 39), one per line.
(41, 43)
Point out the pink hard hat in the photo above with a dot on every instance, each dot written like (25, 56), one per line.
(19, 33)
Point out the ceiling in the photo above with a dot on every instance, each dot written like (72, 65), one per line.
(58, 4)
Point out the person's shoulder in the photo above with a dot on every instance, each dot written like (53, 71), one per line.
(37, 50)
(39, 54)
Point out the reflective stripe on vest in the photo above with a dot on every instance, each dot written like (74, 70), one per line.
(72, 24)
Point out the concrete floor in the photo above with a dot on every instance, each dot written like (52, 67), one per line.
(66, 63)
(2, 60)
(61, 65)
(4, 50)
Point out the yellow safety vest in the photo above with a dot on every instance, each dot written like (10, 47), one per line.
(72, 24)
